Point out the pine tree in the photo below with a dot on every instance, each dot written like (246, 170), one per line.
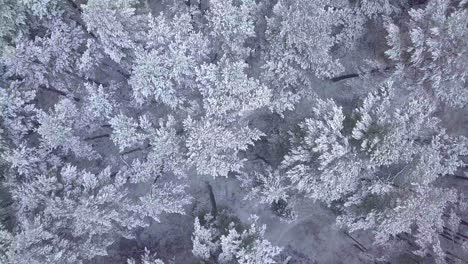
(57, 129)
(47, 61)
(432, 61)
(321, 164)
(229, 96)
(107, 107)
(228, 92)
(203, 239)
(213, 241)
(13, 17)
(267, 188)
(125, 132)
(42, 8)
(382, 169)
(300, 33)
(81, 214)
(97, 106)
(165, 69)
(231, 24)
(114, 24)
(16, 110)
(146, 258)
(214, 149)
(7, 240)
(302, 38)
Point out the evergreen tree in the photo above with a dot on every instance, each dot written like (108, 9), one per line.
(382, 170)
(432, 60)
(226, 244)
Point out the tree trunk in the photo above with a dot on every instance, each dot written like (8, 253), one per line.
(355, 75)
(62, 93)
(214, 210)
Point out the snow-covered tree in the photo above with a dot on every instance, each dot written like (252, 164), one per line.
(228, 92)
(146, 258)
(229, 96)
(233, 243)
(272, 188)
(7, 240)
(125, 131)
(214, 149)
(57, 129)
(163, 157)
(165, 154)
(423, 208)
(16, 110)
(248, 247)
(299, 37)
(167, 148)
(267, 188)
(303, 38)
(90, 60)
(11, 24)
(29, 161)
(47, 61)
(79, 208)
(165, 69)
(116, 25)
(321, 163)
(203, 239)
(97, 106)
(42, 8)
(300, 32)
(381, 164)
(377, 8)
(231, 24)
(107, 107)
(430, 52)
(81, 214)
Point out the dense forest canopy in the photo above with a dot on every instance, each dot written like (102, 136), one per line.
(211, 131)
